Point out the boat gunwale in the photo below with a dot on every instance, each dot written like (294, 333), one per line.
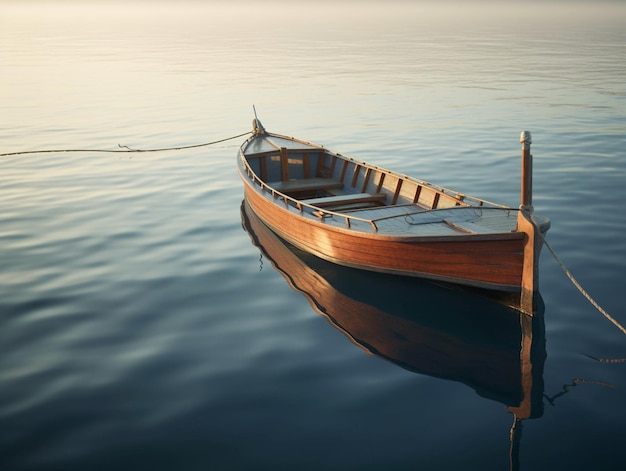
(437, 188)
(405, 238)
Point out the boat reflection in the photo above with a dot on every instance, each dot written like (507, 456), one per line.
(423, 327)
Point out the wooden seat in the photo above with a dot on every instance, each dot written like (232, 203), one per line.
(339, 200)
(307, 184)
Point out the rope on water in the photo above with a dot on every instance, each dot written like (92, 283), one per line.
(607, 360)
(580, 288)
(576, 382)
(122, 149)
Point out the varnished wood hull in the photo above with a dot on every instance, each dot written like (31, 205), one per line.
(484, 261)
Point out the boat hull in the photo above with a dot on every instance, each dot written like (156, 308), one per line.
(489, 261)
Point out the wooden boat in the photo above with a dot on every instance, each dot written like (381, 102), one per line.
(497, 352)
(359, 215)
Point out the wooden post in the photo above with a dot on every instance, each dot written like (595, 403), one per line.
(527, 170)
(532, 245)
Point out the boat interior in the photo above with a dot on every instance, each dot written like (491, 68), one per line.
(331, 186)
(338, 183)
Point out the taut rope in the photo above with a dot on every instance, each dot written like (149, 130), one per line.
(122, 149)
(580, 288)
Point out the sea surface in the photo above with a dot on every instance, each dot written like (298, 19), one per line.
(146, 322)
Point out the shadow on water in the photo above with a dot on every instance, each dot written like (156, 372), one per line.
(423, 327)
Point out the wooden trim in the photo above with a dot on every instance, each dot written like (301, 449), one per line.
(351, 198)
(333, 164)
(284, 164)
(530, 276)
(366, 179)
(380, 182)
(344, 169)
(355, 175)
(325, 169)
(259, 155)
(397, 192)
(320, 167)
(436, 200)
(263, 162)
(418, 190)
(306, 165)
(311, 184)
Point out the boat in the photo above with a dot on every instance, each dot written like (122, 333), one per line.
(363, 216)
(494, 350)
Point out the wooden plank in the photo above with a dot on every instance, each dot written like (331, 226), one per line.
(355, 175)
(344, 208)
(380, 182)
(309, 184)
(324, 168)
(530, 276)
(333, 164)
(344, 168)
(264, 168)
(397, 192)
(366, 180)
(306, 165)
(284, 164)
(418, 190)
(321, 170)
(436, 200)
(329, 201)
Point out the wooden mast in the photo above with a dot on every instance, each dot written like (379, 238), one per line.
(532, 244)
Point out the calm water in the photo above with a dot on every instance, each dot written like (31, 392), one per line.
(142, 328)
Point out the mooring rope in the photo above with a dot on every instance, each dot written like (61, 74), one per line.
(577, 285)
(122, 149)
